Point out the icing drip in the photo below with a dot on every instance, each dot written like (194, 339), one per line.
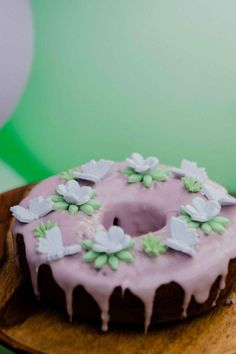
(202, 292)
(102, 299)
(148, 300)
(222, 280)
(34, 280)
(216, 298)
(186, 302)
(105, 319)
(69, 303)
(195, 275)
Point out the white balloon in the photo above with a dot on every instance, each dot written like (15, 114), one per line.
(16, 52)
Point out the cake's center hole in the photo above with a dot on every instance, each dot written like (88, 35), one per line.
(135, 218)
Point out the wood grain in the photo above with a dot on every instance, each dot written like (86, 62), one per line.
(27, 326)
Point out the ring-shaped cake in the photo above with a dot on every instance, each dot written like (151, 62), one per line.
(133, 242)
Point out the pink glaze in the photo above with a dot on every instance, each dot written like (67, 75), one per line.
(139, 210)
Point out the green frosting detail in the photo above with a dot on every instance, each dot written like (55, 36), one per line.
(99, 259)
(152, 245)
(87, 244)
(67, 175)
(134, 178)
(125, 256)
(40, 230)
(95, 204)
(128, 171)
(90, 256)
(87, 208)
(148, 178)
(57, 198)
(206, 228)
(191, 185)
(147, 181)
(216, 224)
(73, 209)
(113, 262)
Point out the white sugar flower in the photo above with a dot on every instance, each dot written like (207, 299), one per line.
(52, 245)
(190, 169)
(94, 171)
(202, 210)
(38, 207)
(140, 165)
(217, 194)
(183, 238)
(73, 193)
(111, 241)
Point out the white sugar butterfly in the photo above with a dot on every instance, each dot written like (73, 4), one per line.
(52, 245)
(38, 207)
(183, 238)
(190, 169)
(217, 194)
(94, 171)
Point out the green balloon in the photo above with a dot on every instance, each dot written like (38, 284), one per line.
(113, 77)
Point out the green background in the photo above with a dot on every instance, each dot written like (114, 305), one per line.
(4, 350)
(113, 77)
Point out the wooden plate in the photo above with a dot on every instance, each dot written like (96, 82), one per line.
(27, 326)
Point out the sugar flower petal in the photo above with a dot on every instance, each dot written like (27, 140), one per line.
(202, 210)
(112, 241)
(140, 165)
(73, 193)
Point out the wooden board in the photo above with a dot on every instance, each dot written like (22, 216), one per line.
(27, 326)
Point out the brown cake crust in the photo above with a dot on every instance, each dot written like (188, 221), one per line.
(126, 308)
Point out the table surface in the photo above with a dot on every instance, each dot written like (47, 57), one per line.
(27, 325)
